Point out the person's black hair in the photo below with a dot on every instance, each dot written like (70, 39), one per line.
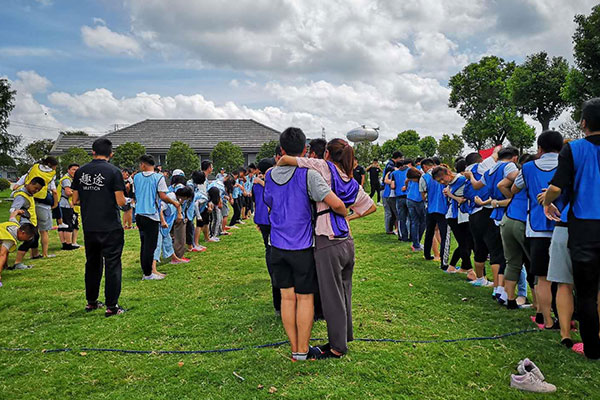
(318, 147)
(407, 161)
(590, 112)
(525, 158)
(147, 159)
(178, 179)
(205, 165)
(198, 177)
(278, 151)
(265, 164)
(438, 171)
(251, 166)
(72, 165)
(460, 165)
(50, 161)
(436, 160)
(399, 163)
(214, 195)
(29, 229)
(375, 159)
(229, 184)
(427, 161)
(292, 141)
(38, 180)
(508, 152)
(126, 170)
(157, 170)
(418, 160)
(473, 158)
(102, 147)
(550, 141)
(184, 193)
(397, 154)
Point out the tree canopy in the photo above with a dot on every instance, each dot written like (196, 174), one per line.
(39, 149)
(227, 155)
(428, 146)
(127, 155)
(183, 157)
(267, 150)
(75, 155)
(449, 148)
(365, 152)
(8, 142)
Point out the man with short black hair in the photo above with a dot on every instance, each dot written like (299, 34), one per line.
(69, 218)
(11, 233)
(374, 170)
(317, 148)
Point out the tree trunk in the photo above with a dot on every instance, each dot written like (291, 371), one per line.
(545, 122)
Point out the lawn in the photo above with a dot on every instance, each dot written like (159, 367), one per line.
(222, 300)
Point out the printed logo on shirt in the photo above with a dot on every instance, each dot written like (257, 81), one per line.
(89, 182)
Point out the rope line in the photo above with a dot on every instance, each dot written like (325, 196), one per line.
(262, 346)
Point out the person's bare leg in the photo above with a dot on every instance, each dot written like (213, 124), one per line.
(544, 295)
(45, 241)
(20, 256)
(68, 237)
(224, 224)
(197, 232)
(305, 313)
(495, 269)
(154, 270)
(437, 239)
(565, 306)
(509, 288)
(288, 316)
(479, 266)
(61, 236)
(75, 232)
(205, 232)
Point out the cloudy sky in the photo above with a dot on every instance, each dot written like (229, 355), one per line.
(315, 64)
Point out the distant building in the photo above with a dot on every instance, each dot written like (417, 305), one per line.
(202, 135)
(9, 173)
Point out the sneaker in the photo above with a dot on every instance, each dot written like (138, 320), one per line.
(118, 310)
(380, 205)
(21, 266)
(94, 306)
(480, 282)
(242, 223)
(63, 226)
(214, 239)
(153, 277)
(416, 249)
(530, 383)
(313, 353)
(185, 260)
(175, 262)
(324, 347)
(527, 366)
(67, 247)
(328, 354)
(50, 256)
(578, 348)
(451, 270)
(503, 298)
(75, 246)
(199, 249)
(234, 227)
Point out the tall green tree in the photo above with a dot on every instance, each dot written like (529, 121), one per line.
(520, 134)
(227, 155)
(8, 143)
(449, 148)
(406, 141)
(38, 149)
(183, 157)
(583, 82)
(127, 155)
(267, 150)
(535, 87)
(366, 152)
(75, 155)
(428, 146)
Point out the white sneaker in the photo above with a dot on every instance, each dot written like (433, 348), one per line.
(152, 277)
(214, 239)
(525, 366)
(63, 226)
(530, 383)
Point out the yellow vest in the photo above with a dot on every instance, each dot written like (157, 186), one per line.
(76, 209)
(31, 209)
(35, 171)
(6, 236)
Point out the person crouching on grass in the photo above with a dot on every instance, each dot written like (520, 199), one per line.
(289, 193)
(11, 233)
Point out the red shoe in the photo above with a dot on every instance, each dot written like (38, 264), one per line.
(185, 260)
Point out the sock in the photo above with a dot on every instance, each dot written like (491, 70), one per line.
(568, 343)
(300, 356)
(512, 305)
(500, 289)
(539, 318)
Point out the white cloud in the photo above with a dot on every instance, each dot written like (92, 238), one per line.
(100, 37)
(31, 82)
(25, 51)
(98, 21)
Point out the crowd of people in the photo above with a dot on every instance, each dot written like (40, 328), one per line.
(534, 218)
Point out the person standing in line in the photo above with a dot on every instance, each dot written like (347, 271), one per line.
(65, 193)
(399, 186)
(127, 208)
(150, 187)
(389, 197)
(374, 170)
(359, 174)
(98, 188)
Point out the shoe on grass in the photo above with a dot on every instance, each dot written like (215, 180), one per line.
(21, 266)
(328, 354)
(530, 383)
(153, 277)
(118, 310)
(198, 249)
(451, 270)
(527, 366)
(93, 306)
(578, 348)
(416, 249)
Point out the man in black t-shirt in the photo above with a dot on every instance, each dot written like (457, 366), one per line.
(374, 170)
(359, 175)
(99, 188)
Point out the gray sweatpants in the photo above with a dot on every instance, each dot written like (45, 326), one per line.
(335, 265)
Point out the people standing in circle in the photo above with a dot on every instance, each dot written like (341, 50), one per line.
(98, 188)
(374, 170)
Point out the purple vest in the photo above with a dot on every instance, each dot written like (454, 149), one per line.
(347, 192)
(261, 211)
(291, 211)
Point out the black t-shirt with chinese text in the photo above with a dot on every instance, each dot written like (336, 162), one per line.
(358, 174)
(96, 183)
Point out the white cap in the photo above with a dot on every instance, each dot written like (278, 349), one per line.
(178, 172)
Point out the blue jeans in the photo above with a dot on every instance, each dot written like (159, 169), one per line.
(522, 285)
(402, 212)
(389, 209)
(416, 214)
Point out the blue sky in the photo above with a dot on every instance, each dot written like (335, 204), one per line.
(336, 64)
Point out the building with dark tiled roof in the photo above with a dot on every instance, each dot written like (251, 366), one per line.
(202, 135)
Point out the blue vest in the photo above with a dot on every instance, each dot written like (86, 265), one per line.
(347, 192)
(170, 214)
(291, 211)
(413, 192)
(517, 208)
(436, 201)
(454, 187)
(536, 180)
(399, 176)
(470, 193)
(564, 214)
(586, 193)
(261, 211)
(491, 182)
(146, 193)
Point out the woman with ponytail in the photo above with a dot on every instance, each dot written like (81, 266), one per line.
(334, 245)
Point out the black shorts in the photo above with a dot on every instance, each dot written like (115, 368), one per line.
(56, 213)
(125, 208)
(205, 215)
(69, 218)
(486, 238)
(294, 268)
(539, 251)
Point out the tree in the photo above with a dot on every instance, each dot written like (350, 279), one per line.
(181, 156)
(520, 134)
(267, 150)
(128, 154)
(583, 82)
(74, 133)
(365, 152)
(495, 128)
(75, 155)
(39, 149)
(227, 155)
(8, 142)
(449, 148)
(535, 87)
(428, 146)
(406, 138)
(571, 130)
(7, 161)
(411, 151)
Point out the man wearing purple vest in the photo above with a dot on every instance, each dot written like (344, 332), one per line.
(290, 193)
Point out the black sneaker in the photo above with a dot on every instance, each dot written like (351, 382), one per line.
(67, 246)
(328, 354)
(114, 311)
(324, 347)
(94, 306)
(313, 353)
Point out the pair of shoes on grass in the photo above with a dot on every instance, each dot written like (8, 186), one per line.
(530, 378)
(110, 311)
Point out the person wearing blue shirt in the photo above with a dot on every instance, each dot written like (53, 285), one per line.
(389, 200)
(399, 187)
(416, 208)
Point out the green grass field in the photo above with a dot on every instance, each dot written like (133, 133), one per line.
(222, 300)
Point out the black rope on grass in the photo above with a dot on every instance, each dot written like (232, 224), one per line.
(262, 346)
